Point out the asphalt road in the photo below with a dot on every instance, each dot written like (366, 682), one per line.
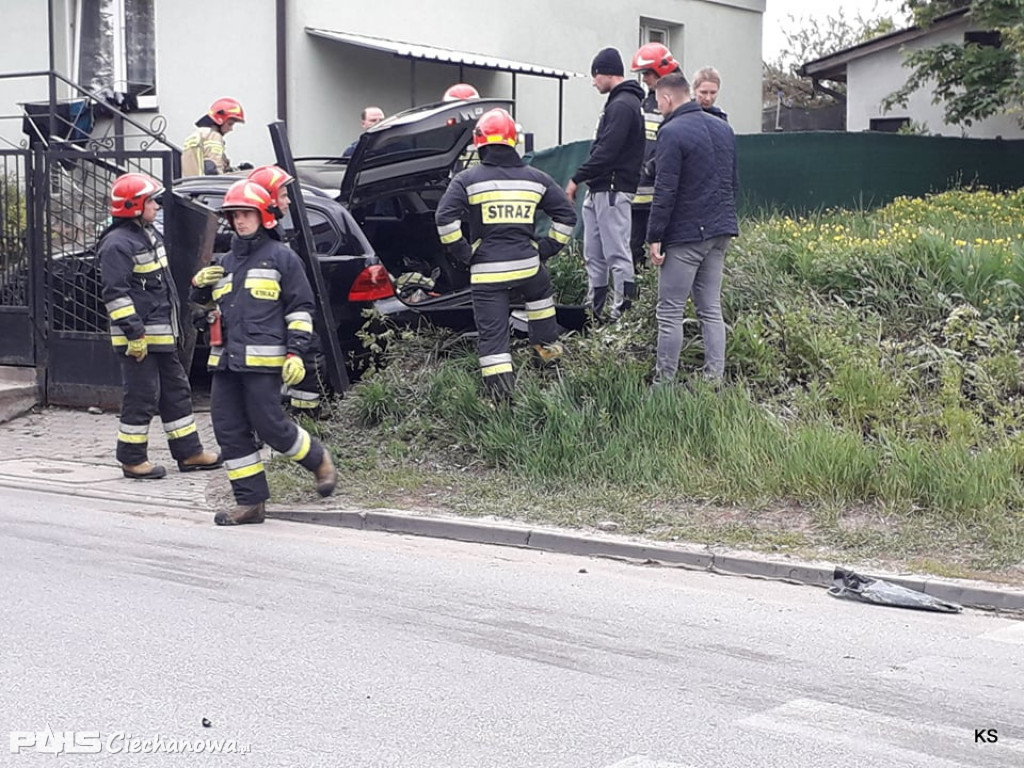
(328, 647)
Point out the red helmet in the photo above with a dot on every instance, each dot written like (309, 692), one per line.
(655, 57)
(248, 195)
(495, 127)
(129, 193)
(460, 92)
(224, 109)
(271, 178)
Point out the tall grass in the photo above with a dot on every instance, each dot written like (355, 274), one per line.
(873, 358)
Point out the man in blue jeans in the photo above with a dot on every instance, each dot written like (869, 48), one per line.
(693, 217)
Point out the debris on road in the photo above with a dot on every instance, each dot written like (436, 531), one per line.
(853, 586)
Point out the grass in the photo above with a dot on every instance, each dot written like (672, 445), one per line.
(873, 408)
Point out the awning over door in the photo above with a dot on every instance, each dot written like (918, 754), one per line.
(442, 55)
(417, 52)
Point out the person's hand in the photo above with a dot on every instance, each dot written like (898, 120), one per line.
(657, 257)
(293, 371)
(570, 190)
(138, 349)
(208, 276)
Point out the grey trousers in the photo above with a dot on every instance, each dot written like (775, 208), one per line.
(607, 222)
(691, 268)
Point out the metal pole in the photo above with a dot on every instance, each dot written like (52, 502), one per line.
(325, 327)
(412, 82)
(561, 99)
(282, 60)
(513, 94)
(38, 258)
(52, 79)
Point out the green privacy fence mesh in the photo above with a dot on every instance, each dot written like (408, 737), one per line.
(800, 172)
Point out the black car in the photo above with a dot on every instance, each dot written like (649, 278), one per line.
(392, 184)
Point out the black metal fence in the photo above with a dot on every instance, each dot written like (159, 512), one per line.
(79, 363)
(16, 279)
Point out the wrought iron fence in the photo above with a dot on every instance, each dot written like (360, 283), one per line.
(14, 234)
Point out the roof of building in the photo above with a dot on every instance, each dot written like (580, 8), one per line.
(442, 55)
(833, 66)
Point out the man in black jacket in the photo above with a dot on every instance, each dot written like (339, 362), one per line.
(611, 173)
(693, 218)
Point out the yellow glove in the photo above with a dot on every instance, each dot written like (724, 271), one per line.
(208, 276)
(293, 371)
(137, 348)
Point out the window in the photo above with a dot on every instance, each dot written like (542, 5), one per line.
(984, 39)
(888, 124)
(115, 48)
(668, 34)
(650, 32)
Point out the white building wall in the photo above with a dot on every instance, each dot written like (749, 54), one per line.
(228, 48)
(558, 35)
(871, 78)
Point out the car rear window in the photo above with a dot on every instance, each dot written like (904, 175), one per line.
(392, 149)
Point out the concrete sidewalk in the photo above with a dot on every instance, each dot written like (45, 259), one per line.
(71, 453)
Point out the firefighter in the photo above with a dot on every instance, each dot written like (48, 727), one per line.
(498, 200)
(653, 61)
(142, 303)
(305, 396)
(202, 154)
(265, 324)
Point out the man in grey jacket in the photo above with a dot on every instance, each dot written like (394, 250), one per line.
(693, 217)
(611, 173)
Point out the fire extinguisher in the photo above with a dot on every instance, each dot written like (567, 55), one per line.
(213, 319)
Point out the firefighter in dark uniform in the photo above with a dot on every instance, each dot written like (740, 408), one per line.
(653, 61)
(142, 303)
(265, 307)
(306, 396)
(498, 200)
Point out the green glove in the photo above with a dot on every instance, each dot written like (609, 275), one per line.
(138, 349)
(293, 371)
(208, 276)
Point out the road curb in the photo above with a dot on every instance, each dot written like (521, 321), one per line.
(991, 599)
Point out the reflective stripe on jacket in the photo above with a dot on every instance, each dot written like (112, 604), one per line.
(498, 200)
(266, 306)
(204, 145)
(137, 288)
(652, 121)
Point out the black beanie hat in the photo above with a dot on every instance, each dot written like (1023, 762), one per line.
(607, 62)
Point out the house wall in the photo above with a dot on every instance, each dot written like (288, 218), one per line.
(27, 52)
(558, 35)
(228, 48)
(871, 78)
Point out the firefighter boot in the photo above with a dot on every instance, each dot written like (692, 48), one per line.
(547, 355)
(500, 387)
(326, 475)
(202, 460)
(147, 470)
(243, 515)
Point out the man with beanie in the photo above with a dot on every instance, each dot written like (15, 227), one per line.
(611, 173)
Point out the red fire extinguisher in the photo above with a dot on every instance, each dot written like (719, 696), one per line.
(213, 319)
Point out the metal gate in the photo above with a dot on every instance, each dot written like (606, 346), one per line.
(17, 274)
(78, 363)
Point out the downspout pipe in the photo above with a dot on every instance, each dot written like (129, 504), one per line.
(282, 60)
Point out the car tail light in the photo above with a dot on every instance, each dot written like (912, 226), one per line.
(373, 283)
